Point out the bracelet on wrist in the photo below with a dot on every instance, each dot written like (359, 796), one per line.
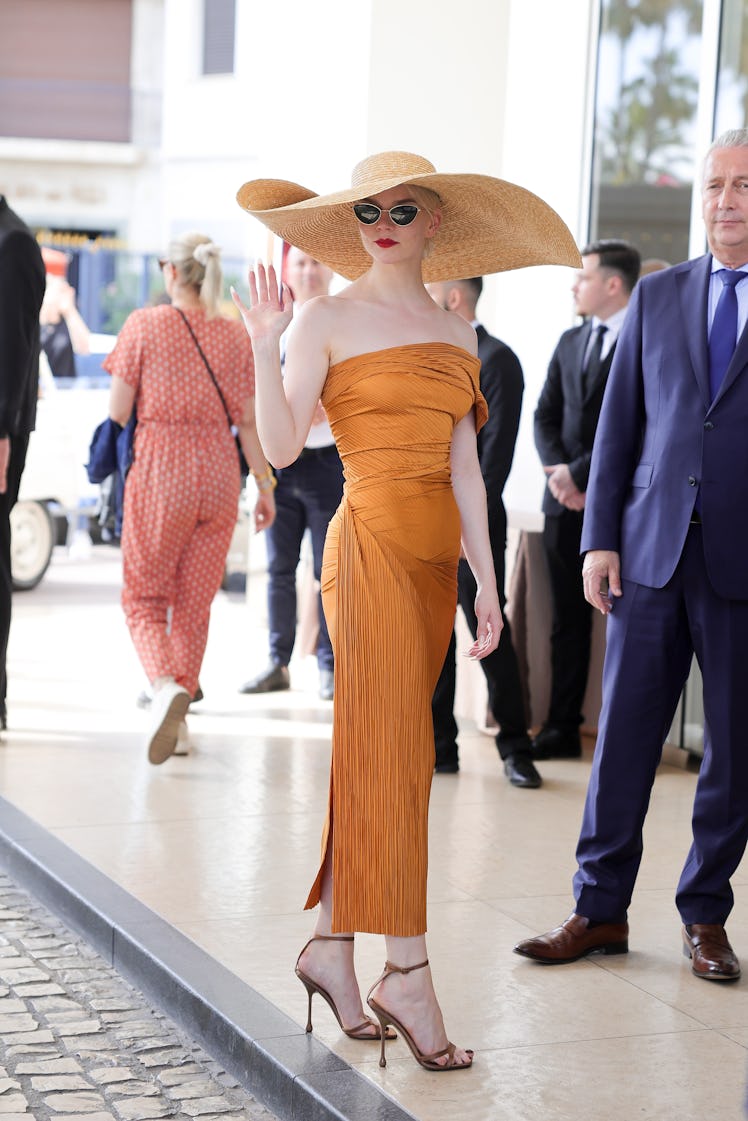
(266, 480)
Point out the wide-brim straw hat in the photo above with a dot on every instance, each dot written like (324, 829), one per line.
(488, 225)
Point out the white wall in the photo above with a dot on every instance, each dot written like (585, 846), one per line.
(295, 109)
(73, 184)
(547, 104)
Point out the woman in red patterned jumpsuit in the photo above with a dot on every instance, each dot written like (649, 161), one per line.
(183, 488)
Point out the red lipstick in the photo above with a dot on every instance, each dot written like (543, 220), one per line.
(385, 242)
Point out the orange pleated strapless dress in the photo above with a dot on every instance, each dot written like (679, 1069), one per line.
(389, 589)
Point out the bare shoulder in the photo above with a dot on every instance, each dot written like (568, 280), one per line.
(314, 327)
(318, 314)
(454, 329)
(465, 332)
(323, 320)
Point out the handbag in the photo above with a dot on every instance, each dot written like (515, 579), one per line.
(243, 465)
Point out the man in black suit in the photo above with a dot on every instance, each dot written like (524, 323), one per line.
(502, 385)
(565, 422)
(22, 282)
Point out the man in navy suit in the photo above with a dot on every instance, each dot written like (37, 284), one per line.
(665, 537)
(21, 292)
(566, 418)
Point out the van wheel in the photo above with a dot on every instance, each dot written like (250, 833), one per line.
(32, 539)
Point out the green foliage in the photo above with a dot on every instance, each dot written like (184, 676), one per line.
(643, 133)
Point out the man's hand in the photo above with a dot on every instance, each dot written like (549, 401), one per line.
(563, 488)
(4, 461)
(601, 573)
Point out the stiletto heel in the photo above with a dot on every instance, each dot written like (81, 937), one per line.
(428, 1062)
(360, 1031)
(309, 990)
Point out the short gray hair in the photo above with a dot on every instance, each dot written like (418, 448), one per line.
(733, 138)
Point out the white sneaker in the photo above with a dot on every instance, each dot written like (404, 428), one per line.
(168, 710)
(183, 739)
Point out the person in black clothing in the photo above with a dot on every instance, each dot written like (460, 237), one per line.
(565, 423)
(21, 294)
(502, 385)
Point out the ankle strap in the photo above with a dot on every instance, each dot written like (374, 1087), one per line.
(326, 938)
(390, 967)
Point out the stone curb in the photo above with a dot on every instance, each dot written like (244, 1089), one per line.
(288, 1071)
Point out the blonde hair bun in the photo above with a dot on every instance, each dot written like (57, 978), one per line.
(206, 251)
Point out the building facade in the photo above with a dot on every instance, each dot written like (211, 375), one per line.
(130, 120)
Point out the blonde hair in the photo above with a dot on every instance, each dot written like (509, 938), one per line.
(198, 263)
(423, 197)
(429, 201)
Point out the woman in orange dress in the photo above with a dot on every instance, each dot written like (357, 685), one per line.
(398, 377)
(182, 491)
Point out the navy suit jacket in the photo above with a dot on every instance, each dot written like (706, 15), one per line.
(661, 441)
(567, 413)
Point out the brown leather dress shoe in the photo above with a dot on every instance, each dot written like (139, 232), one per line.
(574, 939)
(712, 956)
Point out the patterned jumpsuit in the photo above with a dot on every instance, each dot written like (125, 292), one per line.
(182, 490)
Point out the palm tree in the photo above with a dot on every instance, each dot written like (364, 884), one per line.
(643, 134)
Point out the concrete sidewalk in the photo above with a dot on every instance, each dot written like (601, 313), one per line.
(193, 874)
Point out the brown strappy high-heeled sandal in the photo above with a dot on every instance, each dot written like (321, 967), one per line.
(428, 1062)
(360, 1031)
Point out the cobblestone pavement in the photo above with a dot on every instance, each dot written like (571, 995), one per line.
(78, 1042)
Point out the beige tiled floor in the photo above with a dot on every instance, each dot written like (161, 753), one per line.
(224, 844)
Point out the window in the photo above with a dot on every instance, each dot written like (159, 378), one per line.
(732, 83)
(645, 124)
(219, 28)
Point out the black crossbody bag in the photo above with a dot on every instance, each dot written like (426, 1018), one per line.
(243, 465)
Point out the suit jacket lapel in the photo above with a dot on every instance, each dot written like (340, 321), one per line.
(693, 291)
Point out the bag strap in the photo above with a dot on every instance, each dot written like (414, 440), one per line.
(207, 367)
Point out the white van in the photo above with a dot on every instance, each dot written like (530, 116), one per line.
(55, 490)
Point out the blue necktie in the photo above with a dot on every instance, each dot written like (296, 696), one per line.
(724, 333)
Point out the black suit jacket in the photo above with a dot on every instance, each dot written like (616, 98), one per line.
(502, 385)
(567, 414)
(22, 281)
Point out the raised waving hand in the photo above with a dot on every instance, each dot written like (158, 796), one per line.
(270, 306)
